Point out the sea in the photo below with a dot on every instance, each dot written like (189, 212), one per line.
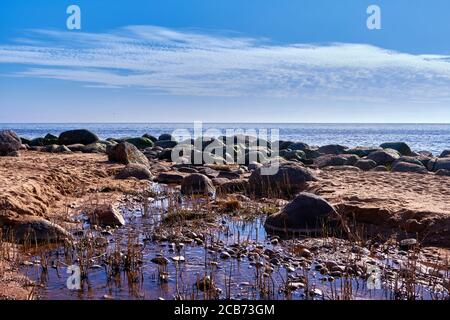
(430, 137)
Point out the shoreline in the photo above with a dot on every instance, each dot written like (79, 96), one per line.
(57, 186)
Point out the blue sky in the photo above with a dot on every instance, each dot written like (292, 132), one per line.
(225, 61)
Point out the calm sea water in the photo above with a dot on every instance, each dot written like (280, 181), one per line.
(431, 137)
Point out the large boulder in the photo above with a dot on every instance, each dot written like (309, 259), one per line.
(106, 215)
(335, 160)
(9, 142)
(298, 146)
(409, 167)
(384, 157)
(141, 143)
(135, 170)
(361, 151)
(287, 181)
(127, 153)
(150, 137)
(171, 177)
(197, 184)
(438, 164)
(166, 144)
(96, 147)
(443, 173)
(365, 164)
(82, 136)
(401, 147)
(166, 137)
(445, 154)
(33, 229)
(307, 213)
(332, 149)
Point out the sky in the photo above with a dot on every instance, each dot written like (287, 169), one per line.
(225, 61)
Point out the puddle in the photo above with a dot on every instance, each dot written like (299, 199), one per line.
(254, 266)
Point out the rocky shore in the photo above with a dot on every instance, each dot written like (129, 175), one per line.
(379, 193)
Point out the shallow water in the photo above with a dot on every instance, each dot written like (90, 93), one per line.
(237, 277)
(431, 137)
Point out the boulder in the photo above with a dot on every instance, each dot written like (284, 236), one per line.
(76, 147)
(384, 157)
(298, 146)
(33, 229)
(287, 181)
(166, 137)
(82, 136)
(436, 164)
(166, 144)
(95, 147)
(306, 213)
(197, 184)
(365, 164)
(107, 215)
(335, 160)
(445, 154)
(362, 151)
(332, 149)
(380, 169)
(232, 186)
(127, 153)
(150, 137)
(171, 177)
(443, 173)
(135, 170)
(141, 143)
(413, 160)
(292, 154)
(401, 147)
(409, 167)
(9, 142)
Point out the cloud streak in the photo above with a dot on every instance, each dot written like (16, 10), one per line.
(171, 62)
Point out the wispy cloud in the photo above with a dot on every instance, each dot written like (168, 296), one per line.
(172, 62)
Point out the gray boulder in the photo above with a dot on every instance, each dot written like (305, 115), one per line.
(9, 142)
(287, 181)
(135, 170)
(126, 153)
(439, 163)
(197, 184)
(141, 143)
(298, 146)
(335, 160)
(409, 167)
(306, 213)
(166, 137)
(443, 173)
(82, 136)
(362, 151)
(95, 147)
(401, 147)
(384, 157)
(332, 149)
(380, 169)
(107, 215)
(365, 164)
(166, 144)
(34, 229)
(445, 154)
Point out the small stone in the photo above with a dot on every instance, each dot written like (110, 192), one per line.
(225, 255)
(162, 261)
